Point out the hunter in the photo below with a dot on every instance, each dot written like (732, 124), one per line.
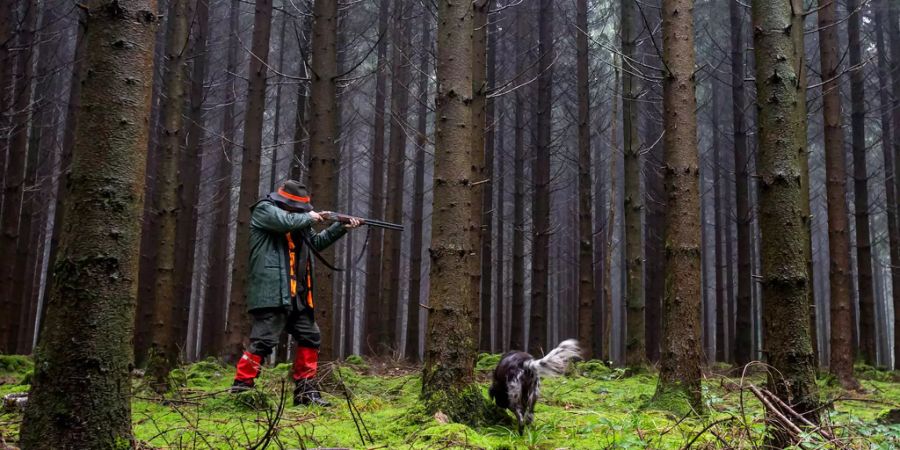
(280, 288)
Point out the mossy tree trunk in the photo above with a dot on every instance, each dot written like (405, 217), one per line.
(375, 337)
(867, 326)
(540, 211)
(635, 345)
(780, 95)
(323, 151)
(680, 357)
(841, 358)
(90, 314)
(238, 327)
(163, 350)
(586, 293)
(451, 340)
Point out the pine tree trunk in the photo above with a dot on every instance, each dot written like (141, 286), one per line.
(744, 325)
(323, 151)
(889, 158)
(635, 346)
(782, 145)
(719, 235)
(375, 336)
(448, 377)
(217, 291)
(413, 330)
(540, 211)
(299, 162)
(679, 374)
(7, 32)
(276, 133)
(390, 262)
(482, 77)
(893, 30)
(586, 293)
(14, 224)
(89, 320)
(163, 349)
(517, 321)
(238, 325)
(841, 360)
(861, 190)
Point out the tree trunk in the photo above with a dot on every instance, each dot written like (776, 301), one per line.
(540, 211)
(238, 325)
(483, 141)
(276, 133)
(586, 294)
(517, 321)
(299, 162)
(719, 234)
(841, 360)
(15, 225)
(323, 152)
(744, 326)
(782, 144)
(7, 32)
(861, 190)
(893, 17)
(217, 293)
(163, 350)
(635, 346)
(679, 375)
(415, 263)
(448, 377)
(390, 263)
(89, 322)
(375, 336)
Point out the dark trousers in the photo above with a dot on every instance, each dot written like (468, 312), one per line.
(268, 324)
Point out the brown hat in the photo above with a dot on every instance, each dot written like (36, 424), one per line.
(293, 196)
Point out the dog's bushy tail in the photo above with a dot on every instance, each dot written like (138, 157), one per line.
(556, 362)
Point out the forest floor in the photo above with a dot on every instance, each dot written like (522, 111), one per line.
(595, 407)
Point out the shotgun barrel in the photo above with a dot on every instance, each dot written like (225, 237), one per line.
(344, 218)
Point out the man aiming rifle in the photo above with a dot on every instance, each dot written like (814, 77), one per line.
(280, 288)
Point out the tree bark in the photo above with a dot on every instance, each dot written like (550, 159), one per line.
(782, 145)
(7, 32)
(719, 235)
(893, 17)
(483, 141)
(681, 355)
(299, 162)
(448, 377)
(635, 346)
(413, 330)
(15, 225)
(586, 294)
(517, 321)
(89, 321)
(390, 263)
(540, 211)
(217, 293)
(167, 311)
(744, 326)
(323, 152)
(841, 360)
(238, 325)
(861, 190)
(375, 336)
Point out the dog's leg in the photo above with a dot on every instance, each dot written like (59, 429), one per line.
(519, 420)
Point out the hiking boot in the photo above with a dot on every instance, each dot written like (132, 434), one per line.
(305, 393)
(240, 386)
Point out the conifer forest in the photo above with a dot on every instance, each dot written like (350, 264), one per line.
(449, 224)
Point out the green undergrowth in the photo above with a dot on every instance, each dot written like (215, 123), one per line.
(594, 407)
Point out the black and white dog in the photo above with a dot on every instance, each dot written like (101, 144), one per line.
(517, 378)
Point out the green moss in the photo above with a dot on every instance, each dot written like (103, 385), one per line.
(487, 362)
(672, 399)
(15, 364)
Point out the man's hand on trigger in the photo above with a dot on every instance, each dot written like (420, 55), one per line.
(315, 216)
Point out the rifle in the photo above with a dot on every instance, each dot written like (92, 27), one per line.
(344, 218)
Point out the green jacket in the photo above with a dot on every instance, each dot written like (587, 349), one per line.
(269, 279)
